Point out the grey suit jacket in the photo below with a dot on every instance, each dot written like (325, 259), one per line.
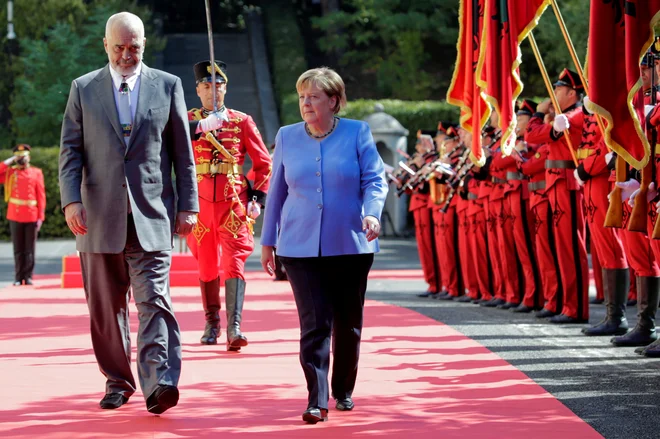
(98, 169)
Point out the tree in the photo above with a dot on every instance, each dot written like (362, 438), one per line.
(49, 63)
(390, 39)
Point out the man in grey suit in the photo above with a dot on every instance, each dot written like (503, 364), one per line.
(124, 130)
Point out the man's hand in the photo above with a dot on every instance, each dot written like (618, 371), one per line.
(561, 123)
(76, 218)
(268, 259)
(39, 224)
(544, 107)
(650, 194)
(253, 209)
(213, 121)
(185, 222)
(371, 226)
(627, 188)
(10, 160)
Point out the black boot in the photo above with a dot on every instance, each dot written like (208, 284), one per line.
(644, 333)
(211, 302)
(616, 283)
(234, 297)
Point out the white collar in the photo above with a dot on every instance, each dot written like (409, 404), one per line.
(117, 78)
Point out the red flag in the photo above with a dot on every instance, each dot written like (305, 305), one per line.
(621, 31)
(463, 91)
(507, 24)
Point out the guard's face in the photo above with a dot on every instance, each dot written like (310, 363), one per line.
(522, 121)
(646, 76)
(125, 47)
(205, 92)
(566, 96)
(315, 105)
(439, 140)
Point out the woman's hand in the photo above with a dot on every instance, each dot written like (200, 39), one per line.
(268, 259)
(370, 225)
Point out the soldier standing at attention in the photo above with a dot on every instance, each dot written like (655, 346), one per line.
(25, 194)
(228, 204)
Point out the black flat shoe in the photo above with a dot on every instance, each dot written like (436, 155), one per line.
(163, 398)
(28, 281)
(426, 294)
(113, 401)
(345, 405)
(17, 283)
(522, 308)
(545, 313)
(563, 319)
(314, 414)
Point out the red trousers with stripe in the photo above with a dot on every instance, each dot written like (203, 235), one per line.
(524, 244)
(544, 238)
(507, 249)
(449, 260)
(569, 232)
(425, 236)
(465, 251)
(490, 207)
(480, 259)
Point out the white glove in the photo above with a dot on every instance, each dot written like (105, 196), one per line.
(650, 195)
(627, 188)
(586, 101)
(212, 122)
(561, 123)
(39, 223)
(10, 160)
(253, 209)
(608, 156)
(648, 109)
(577, 177)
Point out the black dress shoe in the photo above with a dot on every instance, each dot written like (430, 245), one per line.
(545, 313)
(426, 294)
(522, 308)
(163, 398)
(507, 305)
(113, 401)
(28, 281)
(463, 299)
(345, 404)
(596, 301)
(314, 414)
(17, 283)
(564, 319)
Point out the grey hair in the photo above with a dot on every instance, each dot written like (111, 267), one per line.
(126, 19)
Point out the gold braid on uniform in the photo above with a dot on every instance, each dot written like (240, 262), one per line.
(199, 231)
(10, 181)
(233, 222)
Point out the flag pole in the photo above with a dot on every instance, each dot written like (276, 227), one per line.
(553, 98)
(211, 50)
(576, 60)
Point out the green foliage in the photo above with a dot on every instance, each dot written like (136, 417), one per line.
(413, 115)
(55, 225)
(287, 52)
(553, 47)
(388, 38)
(48, 64)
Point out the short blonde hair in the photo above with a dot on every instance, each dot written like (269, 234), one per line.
(327, 80)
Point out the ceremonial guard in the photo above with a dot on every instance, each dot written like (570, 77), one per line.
(564, 195)
(223, 237)
(25, 194)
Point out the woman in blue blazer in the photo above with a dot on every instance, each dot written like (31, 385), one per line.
(326, 195)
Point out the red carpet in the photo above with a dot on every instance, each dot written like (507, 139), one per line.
(418, 378)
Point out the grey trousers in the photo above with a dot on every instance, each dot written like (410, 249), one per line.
(108, 280)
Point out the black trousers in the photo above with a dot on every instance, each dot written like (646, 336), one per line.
(24, 238)
(329, 293)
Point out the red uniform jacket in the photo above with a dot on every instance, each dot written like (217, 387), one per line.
(539, 132)
(25, 192)
(240, 137)
(534, 168)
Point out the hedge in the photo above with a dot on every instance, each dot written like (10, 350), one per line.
(55, 225)
(413, 115)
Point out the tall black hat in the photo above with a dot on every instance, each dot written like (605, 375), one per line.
(203, 72)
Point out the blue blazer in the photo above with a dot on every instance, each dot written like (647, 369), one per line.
(320, 191)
